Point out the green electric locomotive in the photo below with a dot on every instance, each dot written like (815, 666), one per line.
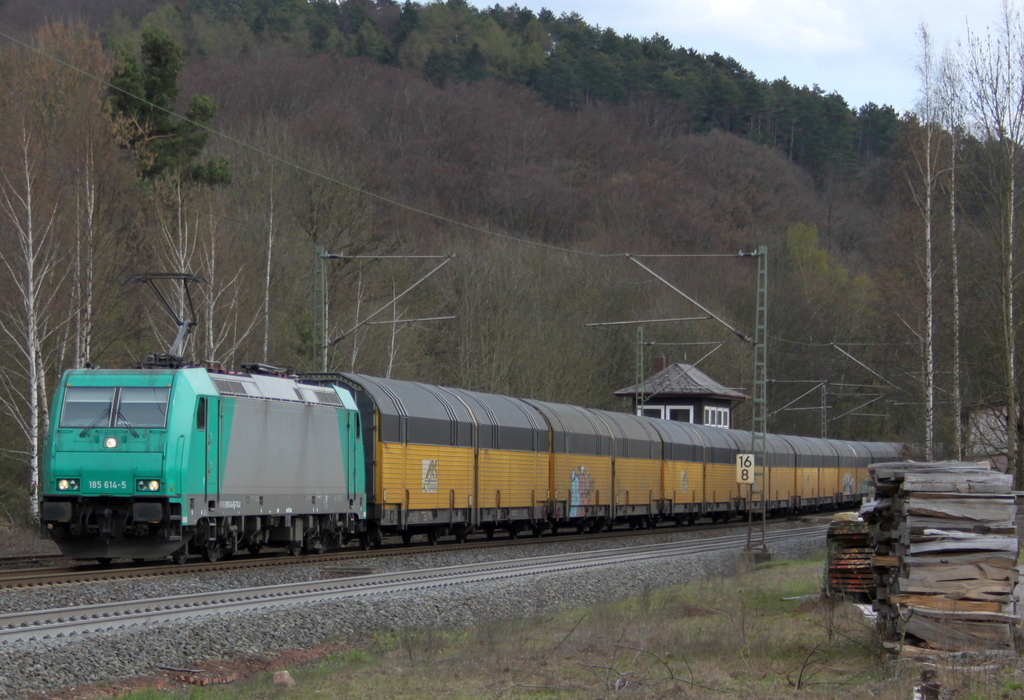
(146, 463)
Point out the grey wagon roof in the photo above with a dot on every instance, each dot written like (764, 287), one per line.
(634, 437)
(505, 423)
(418, 413)
(574, 430)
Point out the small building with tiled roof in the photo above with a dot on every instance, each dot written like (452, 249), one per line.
(683, 393)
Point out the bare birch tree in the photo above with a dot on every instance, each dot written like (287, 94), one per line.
(952, 112)
(993, 72)
(29, 257)
(923, 182)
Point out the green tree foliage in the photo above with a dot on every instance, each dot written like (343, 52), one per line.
(569, 62)
(142, 99)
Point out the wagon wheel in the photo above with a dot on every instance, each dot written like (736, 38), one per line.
(432, 536)
(406, 536)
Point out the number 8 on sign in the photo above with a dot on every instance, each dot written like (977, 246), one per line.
(745, 468)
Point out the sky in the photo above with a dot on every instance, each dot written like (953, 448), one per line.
(866, 50)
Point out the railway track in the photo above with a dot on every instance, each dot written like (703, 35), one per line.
(45, 624)
(84, 573)
(15, 560)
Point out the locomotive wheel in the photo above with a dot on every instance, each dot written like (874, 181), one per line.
(104, 561)
(254, 549)
(294, 549)
(180, 557)
(212, 551)
(364, 541)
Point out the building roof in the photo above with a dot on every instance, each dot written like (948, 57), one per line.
(683, 380)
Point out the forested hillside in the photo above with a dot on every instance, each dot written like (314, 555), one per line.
(231, 138)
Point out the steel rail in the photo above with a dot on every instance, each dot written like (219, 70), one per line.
(49, 576)
(109, 616)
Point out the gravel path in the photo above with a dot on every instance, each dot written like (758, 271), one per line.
(36, 667)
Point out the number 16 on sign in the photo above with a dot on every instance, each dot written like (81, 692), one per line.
(745, 468)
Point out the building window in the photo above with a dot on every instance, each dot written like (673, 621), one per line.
(716, 417)
(651, 412)
(682, 414)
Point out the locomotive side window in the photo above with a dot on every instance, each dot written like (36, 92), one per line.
(86, 406)
(201, 414)
(143, 407)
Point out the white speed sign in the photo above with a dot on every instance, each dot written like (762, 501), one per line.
(745, 468)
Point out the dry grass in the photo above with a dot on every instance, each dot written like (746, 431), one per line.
(734, 637)
(21, 540)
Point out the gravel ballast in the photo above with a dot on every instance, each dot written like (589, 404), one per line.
(41, 666)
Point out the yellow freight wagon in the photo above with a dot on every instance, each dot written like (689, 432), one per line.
(828, 478)
(581, 466)
(807, 460)
(722, 493)
(422, 479)
(637, 468)
(683, 470)
(850, 458)
(449, 461)
(513, 463)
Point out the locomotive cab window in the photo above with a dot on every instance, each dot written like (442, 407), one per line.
(114, 407)
(201, 414)
(86, 406)
(142, 407)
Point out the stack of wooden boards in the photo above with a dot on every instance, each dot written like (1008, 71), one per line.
(849, 558)
(945, 558)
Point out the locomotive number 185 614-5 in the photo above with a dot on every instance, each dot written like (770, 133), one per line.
(108, 485)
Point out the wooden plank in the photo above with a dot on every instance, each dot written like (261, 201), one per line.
(998, 591)
(940, 603)
(980, 510)
(933, 534)
(963, 636)
(989, 543)
(962, 482)
(958, 572)
(884, 560)
(1005, 560)
(918, 523)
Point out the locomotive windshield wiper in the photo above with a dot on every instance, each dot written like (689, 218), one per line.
(85, 431)
(120, 417)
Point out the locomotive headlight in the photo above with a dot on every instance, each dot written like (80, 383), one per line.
(67, 485)
(144, 485)
(154, 485)
(110, 442)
